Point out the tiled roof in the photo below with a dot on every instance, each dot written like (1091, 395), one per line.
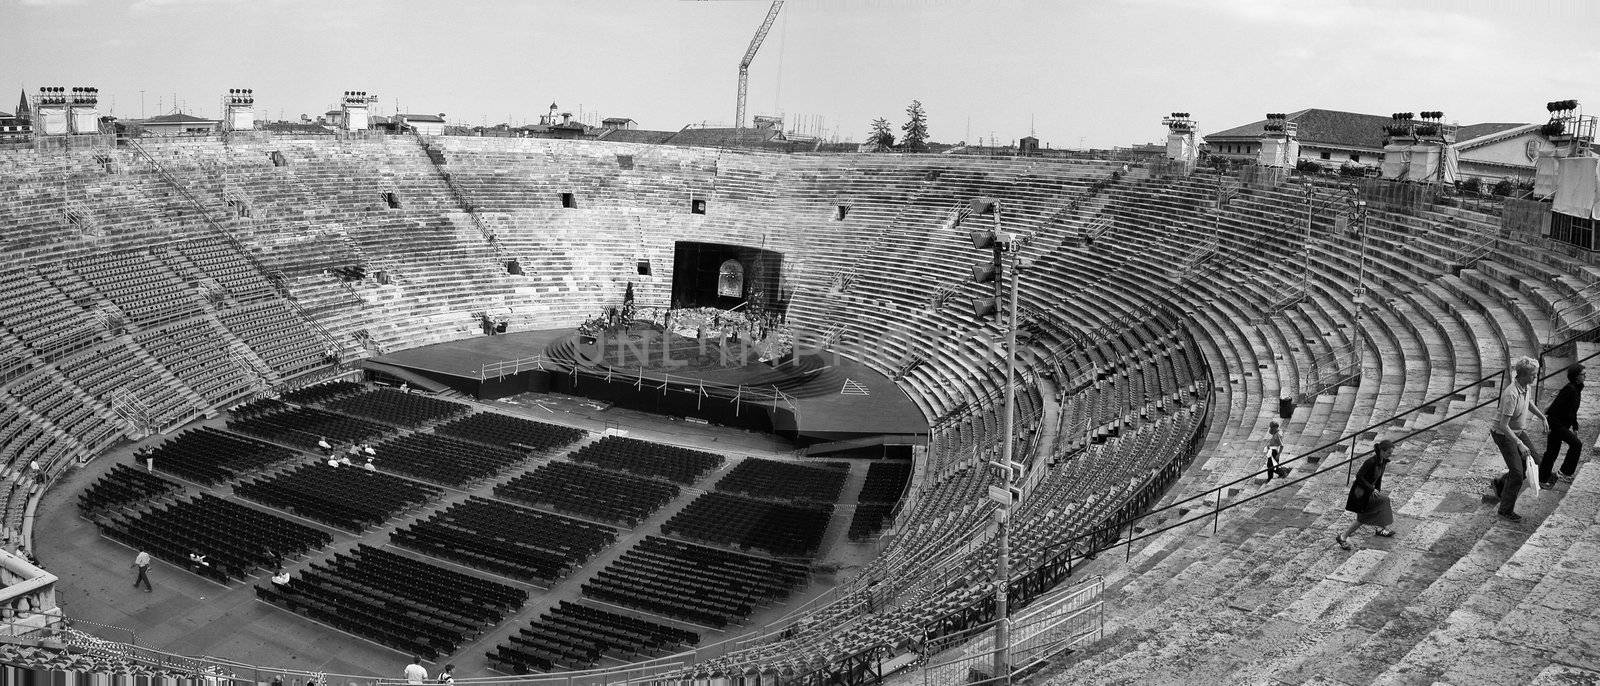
(178, 118)
(719, 136)
(1329, 127)
(637, 136)
(1347, 129)
(1476, 131)
(294, 127)
(422, 117)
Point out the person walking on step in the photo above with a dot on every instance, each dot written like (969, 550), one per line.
(1562, 419)
(1511, 437)
(1367, 498)
(1274, 451)
(142, 563)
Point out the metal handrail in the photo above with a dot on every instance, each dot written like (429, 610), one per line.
(1216, 492)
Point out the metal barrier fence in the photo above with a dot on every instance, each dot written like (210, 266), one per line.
(1037, 635)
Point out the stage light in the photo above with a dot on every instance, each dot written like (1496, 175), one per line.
(985, 307)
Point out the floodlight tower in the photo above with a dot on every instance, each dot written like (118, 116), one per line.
(1568, 128)
(750, 56)
(1279, 147)
(238, 107)
(1180, 137)
(354, 105)
(1001, 244)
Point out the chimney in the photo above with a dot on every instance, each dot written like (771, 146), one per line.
(566, 118)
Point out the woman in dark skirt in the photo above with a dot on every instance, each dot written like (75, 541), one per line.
(1367, 498)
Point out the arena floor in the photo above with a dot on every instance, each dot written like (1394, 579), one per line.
(193, 616)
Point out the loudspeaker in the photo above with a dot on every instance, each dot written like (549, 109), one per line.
(644, 267)
(513, 267)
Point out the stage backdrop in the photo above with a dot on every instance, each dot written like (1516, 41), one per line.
(725, 276)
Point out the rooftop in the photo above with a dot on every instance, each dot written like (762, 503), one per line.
(637, 136)
(1348, 129)
(178, 118)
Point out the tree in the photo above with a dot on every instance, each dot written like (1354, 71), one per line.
(881, 138)
(916, 138)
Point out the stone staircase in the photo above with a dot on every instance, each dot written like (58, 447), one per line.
(1459, 596)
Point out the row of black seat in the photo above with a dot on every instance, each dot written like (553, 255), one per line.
(403, 603)
(693, 583)
(444, 460)
(590, 492)
(575, 636)
(817, 482)
(259, 406)
(500, 430)
(303, 427)
(780, 529)
(345, 497)
(396, 408)
(869, 519)
(234, 539)
(886, 482)
(681, 465)
(211, 456)
(515, 541)
(121, 487)
(323, 392)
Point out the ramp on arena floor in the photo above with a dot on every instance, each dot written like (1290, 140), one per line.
(814, 399)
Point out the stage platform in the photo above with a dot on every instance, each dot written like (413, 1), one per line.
(814, 399)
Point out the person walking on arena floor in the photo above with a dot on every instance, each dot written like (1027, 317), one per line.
(1561, 417)
(415, 673)
(142, 563)
(1511, 437)
(1367, 498)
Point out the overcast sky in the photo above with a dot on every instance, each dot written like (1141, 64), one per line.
(1098, 73)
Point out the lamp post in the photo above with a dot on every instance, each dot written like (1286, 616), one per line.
(994, 271)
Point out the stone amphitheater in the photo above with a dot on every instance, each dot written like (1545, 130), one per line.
(185, 277)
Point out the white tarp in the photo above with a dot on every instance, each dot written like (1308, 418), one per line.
(1424, 163)
(1545, 171)
(1275, 151)
(1578, 187)
(1395, 159)
(1180, 146)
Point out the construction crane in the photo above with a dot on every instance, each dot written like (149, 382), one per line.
(750, 55)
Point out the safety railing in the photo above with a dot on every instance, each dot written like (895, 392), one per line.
(1110, 536)
(1037, 635)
